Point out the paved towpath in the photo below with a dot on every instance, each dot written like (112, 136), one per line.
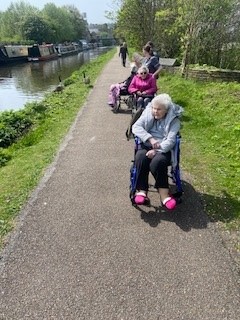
(81, 251)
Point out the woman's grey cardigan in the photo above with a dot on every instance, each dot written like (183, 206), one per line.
(142, 127)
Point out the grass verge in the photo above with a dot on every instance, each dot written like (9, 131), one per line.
(211, 143)
(35, 151)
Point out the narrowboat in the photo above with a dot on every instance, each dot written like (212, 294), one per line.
(68, 49)
(85, 44)
(13, 53)
(42, 52)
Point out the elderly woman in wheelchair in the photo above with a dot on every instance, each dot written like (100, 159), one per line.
(157, 128)
(143, 86)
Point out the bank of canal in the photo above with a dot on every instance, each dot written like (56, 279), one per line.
(25, 82)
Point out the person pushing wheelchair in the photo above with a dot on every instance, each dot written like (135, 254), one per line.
(157, 128)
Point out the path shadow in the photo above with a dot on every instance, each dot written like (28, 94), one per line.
(188, 215)
(223, 208)
(191, 213)
(123, 110)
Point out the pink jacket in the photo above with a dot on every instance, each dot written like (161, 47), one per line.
(148, 85)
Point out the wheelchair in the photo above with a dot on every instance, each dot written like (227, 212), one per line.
(131, 101)
(136, 113)
(124, 98)
(174, 171)
(135, 107)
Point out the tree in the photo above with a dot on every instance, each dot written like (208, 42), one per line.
(37, 29)
(202, 29)
(13, 18)
(60, 21)
(168, 32)
(216, 32)
(52, 24)
(136, 21)
(79, 24)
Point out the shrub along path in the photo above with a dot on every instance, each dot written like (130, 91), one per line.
(81, 251)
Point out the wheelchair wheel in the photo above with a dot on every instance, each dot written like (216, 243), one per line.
(116, 107)
(132, 186)
(130, 101)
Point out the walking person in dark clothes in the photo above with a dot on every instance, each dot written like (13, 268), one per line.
(123, 52)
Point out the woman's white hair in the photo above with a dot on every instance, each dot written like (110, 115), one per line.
(143, 69)
(162, 99)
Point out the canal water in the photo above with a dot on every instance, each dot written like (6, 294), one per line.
(26, 82)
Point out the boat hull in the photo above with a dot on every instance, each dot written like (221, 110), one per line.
(42, 53)
(67, 50)
(13, 53)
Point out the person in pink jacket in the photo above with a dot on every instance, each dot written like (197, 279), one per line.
(144, 86)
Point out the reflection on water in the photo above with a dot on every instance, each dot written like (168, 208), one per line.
(26, 82)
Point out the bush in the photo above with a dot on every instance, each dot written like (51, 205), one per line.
(4, 157)
(12, 126)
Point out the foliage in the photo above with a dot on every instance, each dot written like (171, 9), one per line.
(214, 33)
(136, 22)
(168, 32)
(35, 27)
(193, 31)
(59, 19)
(4, 157)
(13, 18)
(229, 58)
(211, 147)
(79, 24)
(12, 126)
(22, 21)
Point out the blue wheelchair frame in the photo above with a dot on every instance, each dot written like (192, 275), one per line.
(174, 172)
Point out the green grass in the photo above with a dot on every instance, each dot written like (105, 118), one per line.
(33, 153)
(211, 143)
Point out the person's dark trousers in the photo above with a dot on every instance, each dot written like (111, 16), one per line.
(158, 166)
(124, 61)
(142, 102)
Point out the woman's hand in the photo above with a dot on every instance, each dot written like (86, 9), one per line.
(151, 153)
(154, 143)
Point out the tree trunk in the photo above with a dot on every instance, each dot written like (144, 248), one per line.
(185, 60)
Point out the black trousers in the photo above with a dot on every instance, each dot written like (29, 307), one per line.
(158, 166)
(124, 58)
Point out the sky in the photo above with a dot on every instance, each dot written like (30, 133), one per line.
(95, 9)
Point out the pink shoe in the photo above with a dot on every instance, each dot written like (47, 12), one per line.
(140, 198)
(170, 203)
